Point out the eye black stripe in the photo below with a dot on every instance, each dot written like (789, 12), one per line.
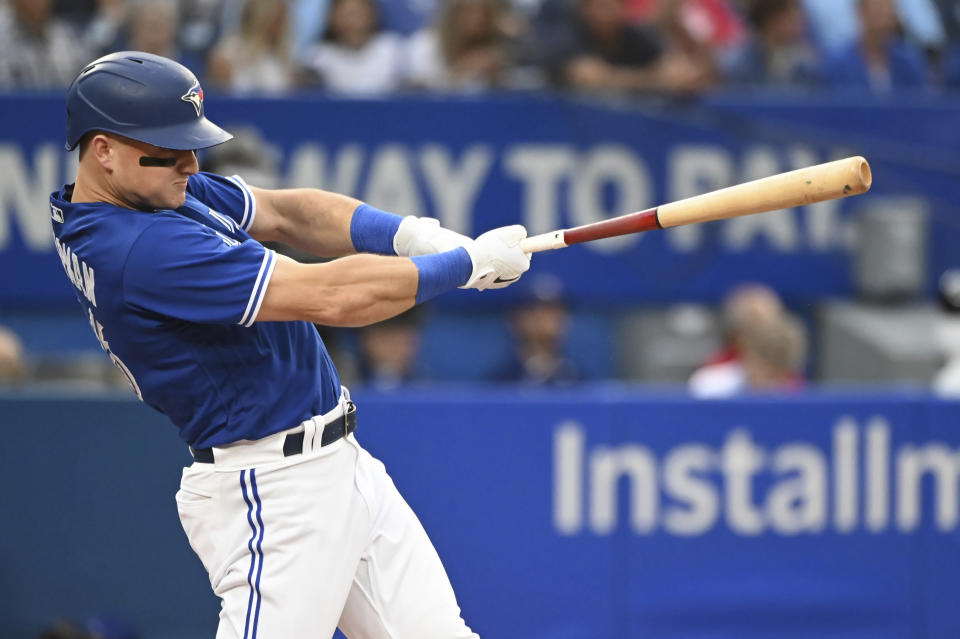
(146, 160)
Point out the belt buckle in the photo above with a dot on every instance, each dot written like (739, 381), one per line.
(349, 418)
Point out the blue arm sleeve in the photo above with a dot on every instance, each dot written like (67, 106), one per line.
(372, 230)
(187, 271)
(441, 272)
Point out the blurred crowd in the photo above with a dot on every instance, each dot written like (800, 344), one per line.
(376, 47)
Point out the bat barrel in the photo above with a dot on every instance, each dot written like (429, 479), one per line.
(864, 173)
(828, 181)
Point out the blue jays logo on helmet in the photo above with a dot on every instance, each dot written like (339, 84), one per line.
(195, 97)
(136, 95)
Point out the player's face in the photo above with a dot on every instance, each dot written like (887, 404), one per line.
(157, 182)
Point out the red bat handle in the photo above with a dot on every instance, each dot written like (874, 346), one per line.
(623, 225)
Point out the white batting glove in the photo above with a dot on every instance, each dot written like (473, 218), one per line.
(497, 259)
(425, 236)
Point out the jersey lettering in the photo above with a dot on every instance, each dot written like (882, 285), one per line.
(232, 226)
(81, 275)
(105, 345)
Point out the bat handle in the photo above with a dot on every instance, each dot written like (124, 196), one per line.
(543, 242)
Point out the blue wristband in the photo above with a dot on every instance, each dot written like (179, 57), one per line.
(372, 230)
(442, 272)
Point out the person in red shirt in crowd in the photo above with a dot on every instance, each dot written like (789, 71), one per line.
(763, 347)
(714, 23)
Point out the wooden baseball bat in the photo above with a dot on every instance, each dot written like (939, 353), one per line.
(828, 181)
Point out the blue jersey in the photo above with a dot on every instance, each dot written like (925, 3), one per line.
(173, 297)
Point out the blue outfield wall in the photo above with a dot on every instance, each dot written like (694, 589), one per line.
(594, 513)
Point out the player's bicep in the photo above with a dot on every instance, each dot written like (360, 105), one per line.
(308, 292)
(194, 274)
(292, 285)
(267, 224)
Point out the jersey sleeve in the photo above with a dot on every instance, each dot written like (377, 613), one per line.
(230, 196)
(190, 272)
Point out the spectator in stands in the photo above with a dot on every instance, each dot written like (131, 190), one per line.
(779, 53)
(388, 351)
(308, 24)
(539, 324)
(13, 363)
(307, 19)
(923, 25)
(257, 59)
(467, 48)
(835, 24)
(763, 347)
(154, 27)
(100, 25)
(949, 12)
(76, 12)
(949, 64)
(199, 27)
(356, 57)
(947, 380)
(882, 60)
(745, 305)
(713, 23)
(410, 16)
(773, 355)
(697, 28)
(37, 50)
(598, 48)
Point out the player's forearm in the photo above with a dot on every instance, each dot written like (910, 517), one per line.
(352, 291)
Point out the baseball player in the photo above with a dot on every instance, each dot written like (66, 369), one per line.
(299, 528)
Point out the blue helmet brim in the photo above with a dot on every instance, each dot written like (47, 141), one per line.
(198, 134)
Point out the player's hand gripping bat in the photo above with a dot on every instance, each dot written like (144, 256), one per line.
(828, 181)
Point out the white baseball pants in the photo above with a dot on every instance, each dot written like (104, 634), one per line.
(296, 546)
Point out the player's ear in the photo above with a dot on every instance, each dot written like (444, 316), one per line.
(101, 148)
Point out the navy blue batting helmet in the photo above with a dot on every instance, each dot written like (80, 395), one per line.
(141, 96)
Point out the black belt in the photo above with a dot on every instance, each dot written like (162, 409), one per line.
(293, 443)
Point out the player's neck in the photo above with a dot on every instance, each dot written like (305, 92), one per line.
(89, 189)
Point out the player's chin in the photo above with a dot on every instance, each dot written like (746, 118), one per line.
(167, 203)
(178, 197)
